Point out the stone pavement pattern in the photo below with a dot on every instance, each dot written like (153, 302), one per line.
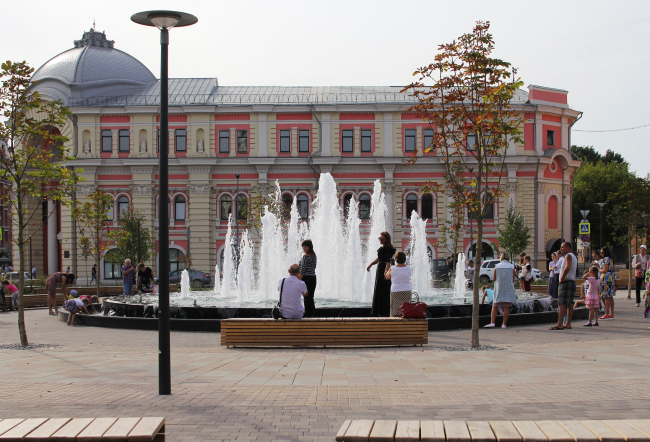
(306, 394)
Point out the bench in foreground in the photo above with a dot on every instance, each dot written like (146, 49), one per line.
(267, 332)
(124, 429)
(629, 430)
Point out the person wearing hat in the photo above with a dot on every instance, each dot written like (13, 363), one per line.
(640, 265)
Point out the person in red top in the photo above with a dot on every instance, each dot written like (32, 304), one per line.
(10, 288)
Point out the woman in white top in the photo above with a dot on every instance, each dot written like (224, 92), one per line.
(400, 289)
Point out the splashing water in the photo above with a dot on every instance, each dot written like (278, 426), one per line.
(229, 276)
(378, 212)
(217, 279)
(245, 269)
(293, 236)
(420, 265)
(459, 280)
(185, 284)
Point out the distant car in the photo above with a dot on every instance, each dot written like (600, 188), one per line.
(198, 279)
(13, 276)
(440, 268)
(487, 271)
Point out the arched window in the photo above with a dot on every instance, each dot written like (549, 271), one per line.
(364, 206)
(226, 207)
(287, 200)
(411, 204)
(427, 206)
(179, 208)
(242, 207)
(122, 206)
(346, 205)
(176, 260)
(303, 206)
(552, 212)
(109, 213)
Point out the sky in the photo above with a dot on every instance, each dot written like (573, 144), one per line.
(597, 50)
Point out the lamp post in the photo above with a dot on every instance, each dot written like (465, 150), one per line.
(164, 20)
(602, 221)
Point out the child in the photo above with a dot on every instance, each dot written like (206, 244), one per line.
(73, 305)
(487, 293)
(469, 274)
(592, 300)
(526, 274)
(10, 288)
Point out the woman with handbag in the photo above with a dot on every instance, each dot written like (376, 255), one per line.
(381, 295)
(308, 275)
(400, 289)
(504, 290)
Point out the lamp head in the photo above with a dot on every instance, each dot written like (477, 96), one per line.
(164, 19)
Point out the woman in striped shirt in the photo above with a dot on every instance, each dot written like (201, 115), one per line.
(308, 275)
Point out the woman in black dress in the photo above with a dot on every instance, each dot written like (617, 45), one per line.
(381, 295)
(308, 275)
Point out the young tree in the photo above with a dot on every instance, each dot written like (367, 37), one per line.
(464, 96)
(452, 227)
(33, 162)
(515, 237)
(629, 208)
(125, 239)
(91, 215)
(86, 251)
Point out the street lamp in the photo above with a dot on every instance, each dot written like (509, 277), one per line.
(602, 221)
(164, 20)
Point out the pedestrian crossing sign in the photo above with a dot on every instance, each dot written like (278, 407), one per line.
(585, 228)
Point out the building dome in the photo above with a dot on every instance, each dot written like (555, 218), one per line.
(93, 67)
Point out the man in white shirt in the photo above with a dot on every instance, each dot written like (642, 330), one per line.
(291, 294)
(566, 288)
(640, 265)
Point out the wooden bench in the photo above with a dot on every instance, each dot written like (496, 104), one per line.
(267, 332)
(628, 430)
(123, 429)
(36, 300)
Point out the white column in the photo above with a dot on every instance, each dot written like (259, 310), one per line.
(262, 142)
(567, 211)
(52, 240)
(541, 218)
(390, 215)
(539, 136)
(326, 135)
(565, 133)
(388, 135)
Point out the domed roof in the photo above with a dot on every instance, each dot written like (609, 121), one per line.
(92, 67)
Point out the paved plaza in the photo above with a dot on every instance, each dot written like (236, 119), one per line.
(306, 394)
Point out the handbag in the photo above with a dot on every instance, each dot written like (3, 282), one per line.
(413, 310)
(276, 310)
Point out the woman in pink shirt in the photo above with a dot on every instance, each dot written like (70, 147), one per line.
(10, 288)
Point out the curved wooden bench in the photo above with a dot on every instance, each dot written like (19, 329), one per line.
(628, 430)
(267, 332)
(123, 429)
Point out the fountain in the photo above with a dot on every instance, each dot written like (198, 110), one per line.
(344, 247)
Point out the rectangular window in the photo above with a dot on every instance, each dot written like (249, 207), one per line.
(409, 140)
(550, 137)
(303, 140)
(347, 141)
(366, 140)
(242, 141)
(224, 141)
(471, 142)
(107, 141)
(285, 141)
(428, 139)
(124, 140)
(180, 142)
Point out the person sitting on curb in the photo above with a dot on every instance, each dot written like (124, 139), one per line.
(73, 306)
(292, 290)
(487, 293)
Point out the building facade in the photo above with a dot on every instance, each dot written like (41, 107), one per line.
(285, 134)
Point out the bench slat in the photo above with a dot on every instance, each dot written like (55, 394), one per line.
(602, 431)
(146, 429)
(17, 433)
(43, 433)
(480, 431)
(70, 430)
(554, 431)
(343, 429)
(579, 432)
(629, 433)
(96, 429)
(529, 431)
(504, 431)
(121, 429)
(457, 431)
(383, 431)
(358, 431)
(432, 431)
(8, 424)
(641, 425)
(407, 431)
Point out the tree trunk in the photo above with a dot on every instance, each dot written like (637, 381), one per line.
(99, 272)
(629, 276)
(475, 297)
(21, 284)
